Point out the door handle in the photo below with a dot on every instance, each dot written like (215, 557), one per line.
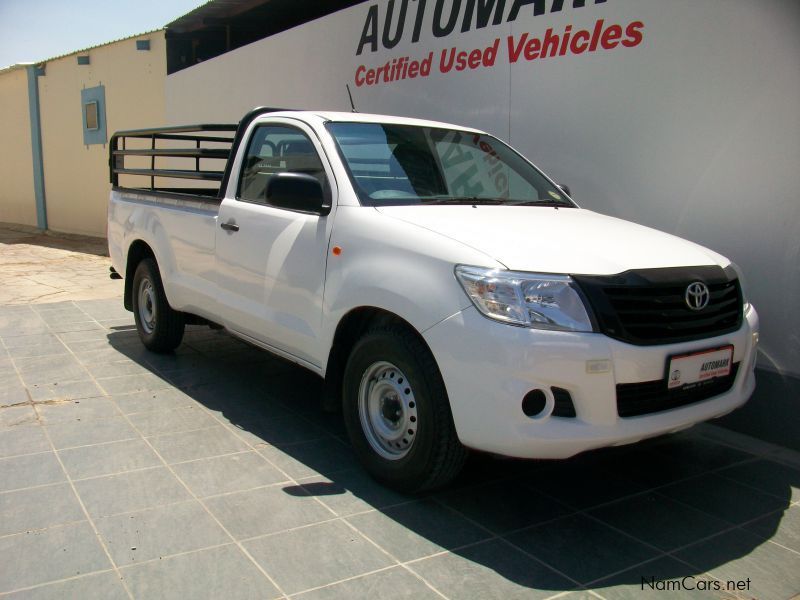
(231, 226)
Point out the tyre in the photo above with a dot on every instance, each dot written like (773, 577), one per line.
(397, 412)
(160, 327)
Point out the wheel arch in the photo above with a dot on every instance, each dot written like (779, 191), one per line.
(350, 328)
(137, 252)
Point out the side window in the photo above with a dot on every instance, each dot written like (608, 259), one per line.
(276, 149)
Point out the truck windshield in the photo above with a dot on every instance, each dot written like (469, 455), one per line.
(404, 164)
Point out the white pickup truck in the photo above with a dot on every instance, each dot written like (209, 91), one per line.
(451, 295)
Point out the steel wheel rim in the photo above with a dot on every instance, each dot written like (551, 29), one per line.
(388, 410)
(147, 306)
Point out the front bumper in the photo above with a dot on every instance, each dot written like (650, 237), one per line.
(488, 367)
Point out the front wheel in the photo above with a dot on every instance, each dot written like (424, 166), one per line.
(397, 412)
(160, 327)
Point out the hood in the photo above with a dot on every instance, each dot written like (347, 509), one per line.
(549, 240)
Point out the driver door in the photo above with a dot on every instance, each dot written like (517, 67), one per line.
(270, 261)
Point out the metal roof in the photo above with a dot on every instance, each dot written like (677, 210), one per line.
(80, 51)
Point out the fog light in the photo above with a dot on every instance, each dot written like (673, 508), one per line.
(533, 403)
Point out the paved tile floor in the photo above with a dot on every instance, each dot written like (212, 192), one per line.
(211, 473)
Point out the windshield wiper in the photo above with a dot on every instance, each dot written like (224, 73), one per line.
(460, 200)
(555, 203)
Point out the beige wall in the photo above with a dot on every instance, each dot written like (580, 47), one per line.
(17, 199)
(76, 176)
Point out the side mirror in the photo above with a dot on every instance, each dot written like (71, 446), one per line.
(565, 189)
(297, 191)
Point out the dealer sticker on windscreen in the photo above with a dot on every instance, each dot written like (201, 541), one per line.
(699, 366)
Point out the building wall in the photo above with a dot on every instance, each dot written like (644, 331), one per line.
(76, 175)
(17, 199)
(694, 130)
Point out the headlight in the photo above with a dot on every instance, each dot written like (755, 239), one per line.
(742, 286)
(538, 301)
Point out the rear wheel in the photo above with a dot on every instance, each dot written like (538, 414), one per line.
(160, 327)
(397, 412)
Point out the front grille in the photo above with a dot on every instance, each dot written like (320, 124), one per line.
(648, 306)
(634, 399)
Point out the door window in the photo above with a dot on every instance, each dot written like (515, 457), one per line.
(277, 149)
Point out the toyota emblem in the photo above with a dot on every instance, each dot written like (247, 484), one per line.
(697, 295)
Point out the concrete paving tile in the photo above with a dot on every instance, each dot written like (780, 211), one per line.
(700, 451)
(319, 457)
(504, 506)
(84, 409)
(42, 556)
(190, 378)
(160, 531)
(491, 570)
(391, 584)
(172, 421)
(71, 326)
(239, 405)
(13, 392)
(17, 416)
(417, 529)
(38, 508)
(738, 555)
(37, 327)
(28, 471)
(581, 548)
(277, 430)
(38, 350)
(104, 308)
(782, 527)
(70, 434)
(37, 364)
(23, 341)
(178, 362)
(127, 492)
(97, 343)
(107, 459)
(582, 486)
(203, 443)
(78, 336)
(657, 578)
(314, 556)
(52, 307)
(211, 574)
(153, 400)
(119, 368)
(724, 499)
(266, 510)
(23, 440)
(128, 384)
(223, 474)
(349, 492)
(768, 476)
(651, 469)
(69, 390)
(105, 586)
(110, 354)
(58, 319)
(6, 364)
(659, 521)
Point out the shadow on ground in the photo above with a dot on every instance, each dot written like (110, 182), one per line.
(683, 507)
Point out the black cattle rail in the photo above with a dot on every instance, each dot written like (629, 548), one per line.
(203, 142)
